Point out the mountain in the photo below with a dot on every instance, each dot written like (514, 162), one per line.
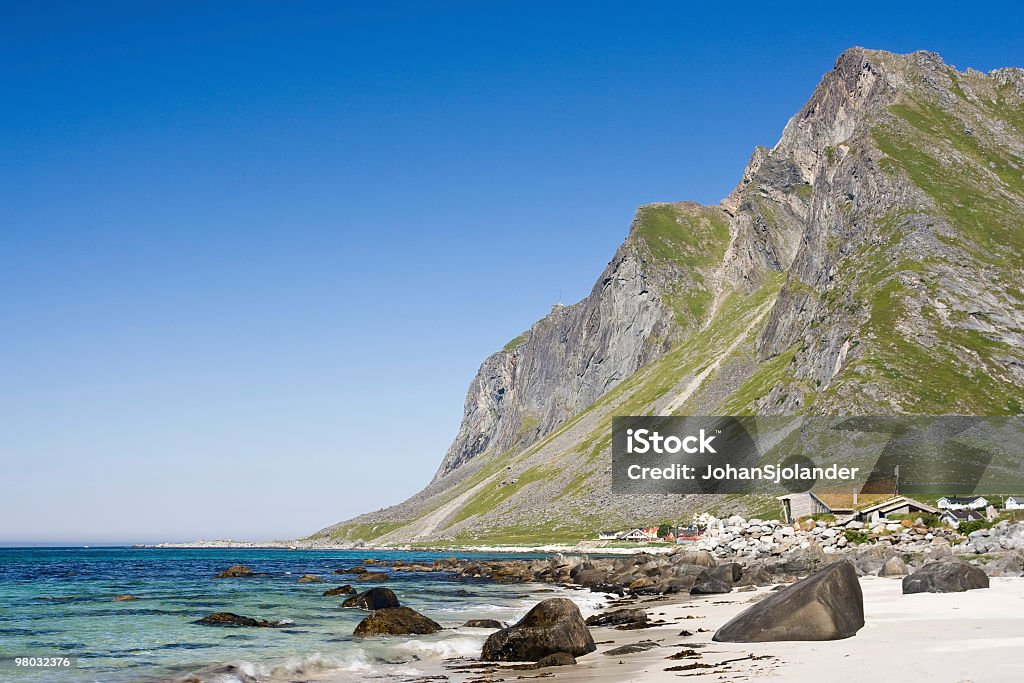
(869, 263)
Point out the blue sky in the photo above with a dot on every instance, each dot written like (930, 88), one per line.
(251, 254)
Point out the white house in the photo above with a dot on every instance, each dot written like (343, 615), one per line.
(962, 503)
(637, 536)
(954, 517)
(1014, 503)
(608, 536)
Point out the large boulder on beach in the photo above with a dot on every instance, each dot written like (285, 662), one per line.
(894, 566)
(232, 619)
(235, 571)
(618, 617)
(553, 625)
(946, 576)
(375, 598)
(827, 605)
(396, 621)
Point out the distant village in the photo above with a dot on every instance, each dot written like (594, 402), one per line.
(855, 509)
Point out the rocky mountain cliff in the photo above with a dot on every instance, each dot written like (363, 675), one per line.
(869, 263)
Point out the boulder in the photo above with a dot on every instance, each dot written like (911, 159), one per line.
(310, 578)
(351, 570)
(127, 597)
(483, 623)
(894, 566)
(375, 598)
(339, 590)
(235, 571)
(372, 576)
(556, 659)
(827, 605)
(396, 621)
(945, 576)
(232, 619)
(553, 625)
(617, 617)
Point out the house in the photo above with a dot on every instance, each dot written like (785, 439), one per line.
(637, 536)
(954, 517)
(1014, 503)
(797, 505)
(962, 503)
(608, 535)
(900, 505)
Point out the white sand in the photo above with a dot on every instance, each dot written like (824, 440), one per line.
(976, 637)
(971, 637)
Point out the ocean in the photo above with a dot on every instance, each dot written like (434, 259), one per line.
(58, 603)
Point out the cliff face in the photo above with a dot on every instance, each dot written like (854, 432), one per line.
(661, 283)
(868, 263)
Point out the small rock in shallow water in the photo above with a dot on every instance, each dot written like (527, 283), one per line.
(232, 619)
(372, 576)
(375, 598)
(235, 572)
(396, 621)
(483, 623)
(339, 590)
(127, 597)
(310, 578)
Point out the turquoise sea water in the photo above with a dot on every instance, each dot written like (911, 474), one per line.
(155, 639)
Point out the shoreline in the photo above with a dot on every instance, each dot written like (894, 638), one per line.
(586, 549)
(969, 637)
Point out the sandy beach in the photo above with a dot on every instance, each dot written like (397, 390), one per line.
(971, 637)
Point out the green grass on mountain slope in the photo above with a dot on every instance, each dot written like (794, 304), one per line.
(954, 369)
(968, 181)
(683, 236)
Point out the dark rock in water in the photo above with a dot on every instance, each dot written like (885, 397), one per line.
(339, 590)
(827, 605)
(947, 576)
(617, 617)
(553, 625)
(372, 576)
(232, 619)
(632, 648)
(220, 672)
(351, 570)
(310, 578)
(375, 598)
(556, 659)
(127, 597)
(483, 623)
(235, 572)
(396, 621)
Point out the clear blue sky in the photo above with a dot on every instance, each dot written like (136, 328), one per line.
(253, 253)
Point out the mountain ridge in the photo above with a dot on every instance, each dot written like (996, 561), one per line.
(867, 263)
